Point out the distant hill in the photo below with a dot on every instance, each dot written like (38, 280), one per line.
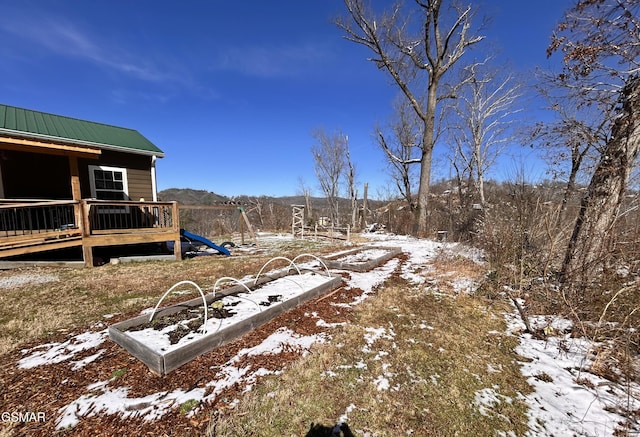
(188, 196)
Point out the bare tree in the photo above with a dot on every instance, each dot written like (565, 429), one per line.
(463, 174)
(600, 206)
(416, 47)
(485, 112)
(600, 41)
(257, 206)
(572, 140)
(401, 147)
(329, 156)
(306, 192)
(352, 190)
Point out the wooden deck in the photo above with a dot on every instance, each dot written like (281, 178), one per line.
(36, 226)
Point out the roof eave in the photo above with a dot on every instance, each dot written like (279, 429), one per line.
(112, 147)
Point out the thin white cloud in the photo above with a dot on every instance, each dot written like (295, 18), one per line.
(60, 37)
(271, 61)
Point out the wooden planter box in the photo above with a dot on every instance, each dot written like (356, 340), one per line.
(162, 357)
(361, 259)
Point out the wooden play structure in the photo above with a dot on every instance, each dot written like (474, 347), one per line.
(243, 223)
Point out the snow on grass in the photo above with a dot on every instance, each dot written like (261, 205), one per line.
(368, 281)
(464, 285)
(371, 336)
(488, 399)
(568, 400)
(374, 334)
(52, 353)
(381, 383)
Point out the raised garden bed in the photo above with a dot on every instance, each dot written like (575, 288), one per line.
(177, 334)
(361, 259)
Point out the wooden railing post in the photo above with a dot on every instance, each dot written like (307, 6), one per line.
(177, 249)
(77, 215)
(85, 226)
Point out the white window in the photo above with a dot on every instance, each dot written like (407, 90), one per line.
(108, 183)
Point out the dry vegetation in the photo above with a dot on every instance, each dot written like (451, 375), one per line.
(437, 352)
(438, 349)
(525, 236)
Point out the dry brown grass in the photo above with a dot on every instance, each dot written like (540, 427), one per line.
(80, 297)
(436, 354)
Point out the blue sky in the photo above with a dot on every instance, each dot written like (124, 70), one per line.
(230, 91)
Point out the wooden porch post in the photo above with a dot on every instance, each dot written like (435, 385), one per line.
(177, 249)
(75, 177)
(81, 210)
(75, 189)
(87, 248)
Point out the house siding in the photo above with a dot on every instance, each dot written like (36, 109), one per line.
(138, 173)
(139, 184)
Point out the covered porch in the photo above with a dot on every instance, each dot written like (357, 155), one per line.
(32, 226)
(68, 183)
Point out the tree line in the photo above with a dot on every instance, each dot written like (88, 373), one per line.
(451, 94)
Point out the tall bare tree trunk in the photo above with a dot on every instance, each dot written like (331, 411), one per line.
(363, 217)
(599, 208)
(423, 193)
(569, 188)
(428, 134)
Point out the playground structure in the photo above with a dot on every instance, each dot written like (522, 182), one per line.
(319, 230)
(220, 219)
(202, 240)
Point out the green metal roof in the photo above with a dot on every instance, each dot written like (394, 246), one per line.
(30, 124)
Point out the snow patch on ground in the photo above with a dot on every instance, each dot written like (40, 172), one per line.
(369, 281)
(488, 399)
(101, 399)
(568, 400)
(15, 281)
(52, 353)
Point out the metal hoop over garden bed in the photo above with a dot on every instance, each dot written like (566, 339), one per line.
(169, 337)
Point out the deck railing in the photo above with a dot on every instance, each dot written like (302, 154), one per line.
(123, 216)
(32, 226)
(35, 218)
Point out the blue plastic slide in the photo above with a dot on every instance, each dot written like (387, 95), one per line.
(194, 237)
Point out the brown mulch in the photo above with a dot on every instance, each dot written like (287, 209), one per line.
(49, 388)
